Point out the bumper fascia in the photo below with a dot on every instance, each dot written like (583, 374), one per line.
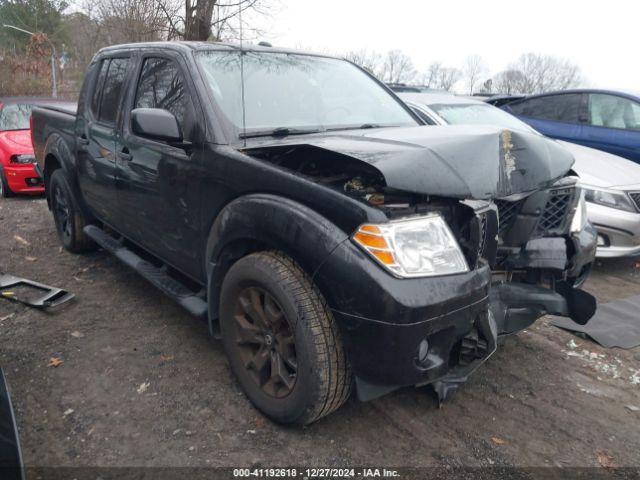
(17, 176)
(619, 229)
(383, 319)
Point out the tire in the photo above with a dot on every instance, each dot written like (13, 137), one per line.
(5, 191)
(68, 218)
(281, 340)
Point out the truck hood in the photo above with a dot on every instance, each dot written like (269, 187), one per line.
(602, 169)
(17, 141)
(458, 161)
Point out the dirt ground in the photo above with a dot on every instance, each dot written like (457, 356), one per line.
(142, 384)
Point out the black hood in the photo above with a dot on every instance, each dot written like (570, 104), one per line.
(461, 161)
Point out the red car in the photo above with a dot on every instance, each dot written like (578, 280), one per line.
(17, 162)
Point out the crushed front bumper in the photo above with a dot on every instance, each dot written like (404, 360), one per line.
(436, 330)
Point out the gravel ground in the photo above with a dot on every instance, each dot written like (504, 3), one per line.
(142, 384)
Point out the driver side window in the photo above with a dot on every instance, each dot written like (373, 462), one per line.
(161, 85)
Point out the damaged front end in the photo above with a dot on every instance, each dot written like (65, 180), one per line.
(516, 214)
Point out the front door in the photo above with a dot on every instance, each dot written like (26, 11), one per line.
(159, 183)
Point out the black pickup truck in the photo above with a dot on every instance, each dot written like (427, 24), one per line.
(294, 201)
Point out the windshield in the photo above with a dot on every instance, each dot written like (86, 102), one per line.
(291, 91)
(15, 116)
(476, 114)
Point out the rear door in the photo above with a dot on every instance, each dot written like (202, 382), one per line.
(95, 137)
(614, 125)
(557, 116)
(159, 183)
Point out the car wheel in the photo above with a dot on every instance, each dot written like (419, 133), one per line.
(5, 191)
(281, 340)
(67, 216)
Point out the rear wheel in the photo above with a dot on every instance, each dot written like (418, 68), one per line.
(5, 191)
(281, 340)
(67, 216)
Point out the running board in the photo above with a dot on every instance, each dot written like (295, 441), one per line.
(155, 275)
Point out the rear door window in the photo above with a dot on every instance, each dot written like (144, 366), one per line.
(611, 111)
(112, 90)
(560, 108)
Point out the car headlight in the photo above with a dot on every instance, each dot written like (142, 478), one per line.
(22, 159)
(579, 219)
(417, 247)
(609, 198)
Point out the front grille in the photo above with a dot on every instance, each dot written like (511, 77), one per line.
(507, 213)
(635, 196)
(556, 210)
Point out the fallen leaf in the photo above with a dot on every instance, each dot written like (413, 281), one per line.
(166, 358)
(260, 422)
(21, 240)
(143, 387)
(605, 460)
(69, 411)
(54, 362)
(498, 441)
(2, 319)
(30, 259)
(77, 334)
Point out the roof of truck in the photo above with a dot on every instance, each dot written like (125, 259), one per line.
(192, 46)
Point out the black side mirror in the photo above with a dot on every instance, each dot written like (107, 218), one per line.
(156, 123)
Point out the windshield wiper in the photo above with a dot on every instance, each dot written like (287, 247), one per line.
(364, 126)
(279, 132)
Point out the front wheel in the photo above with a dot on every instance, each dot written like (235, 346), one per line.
(67, 216)
(281, 340)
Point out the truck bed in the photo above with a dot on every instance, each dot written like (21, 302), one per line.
(57, 119)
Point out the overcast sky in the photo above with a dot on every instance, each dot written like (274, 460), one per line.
(602, 37)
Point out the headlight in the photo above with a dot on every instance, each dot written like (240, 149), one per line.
(609, 198)
(418, 247)
(579, 219)
(23, 159)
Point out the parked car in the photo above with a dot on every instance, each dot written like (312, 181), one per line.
(298, 205)
(604, 119)
(17, 162)
(611, 183)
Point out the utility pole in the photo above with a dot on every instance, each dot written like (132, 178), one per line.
(54, 82)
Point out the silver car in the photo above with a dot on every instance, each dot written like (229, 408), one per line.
(611, 183)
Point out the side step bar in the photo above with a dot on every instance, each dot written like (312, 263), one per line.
(157, 276)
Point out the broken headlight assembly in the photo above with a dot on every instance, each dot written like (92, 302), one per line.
(417, 247)
(608, 198)
(22, 159)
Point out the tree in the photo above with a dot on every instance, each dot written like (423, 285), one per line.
(474, 68)
(431, 77)
(370, 61)
(211, 19)
(37, 16)
(397, 67)
(535, 73)
(447, 78)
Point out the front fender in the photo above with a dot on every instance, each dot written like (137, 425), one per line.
(267, 222)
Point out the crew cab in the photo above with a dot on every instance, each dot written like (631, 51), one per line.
(296, 203)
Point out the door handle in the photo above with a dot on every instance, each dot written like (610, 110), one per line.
(125, 155)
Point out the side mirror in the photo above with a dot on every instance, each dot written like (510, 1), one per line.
(156, 123)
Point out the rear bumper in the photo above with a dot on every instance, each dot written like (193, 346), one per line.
(23, 179)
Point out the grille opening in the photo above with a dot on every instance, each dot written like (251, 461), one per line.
(507, 213)
(635, 196)
(555, 211)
